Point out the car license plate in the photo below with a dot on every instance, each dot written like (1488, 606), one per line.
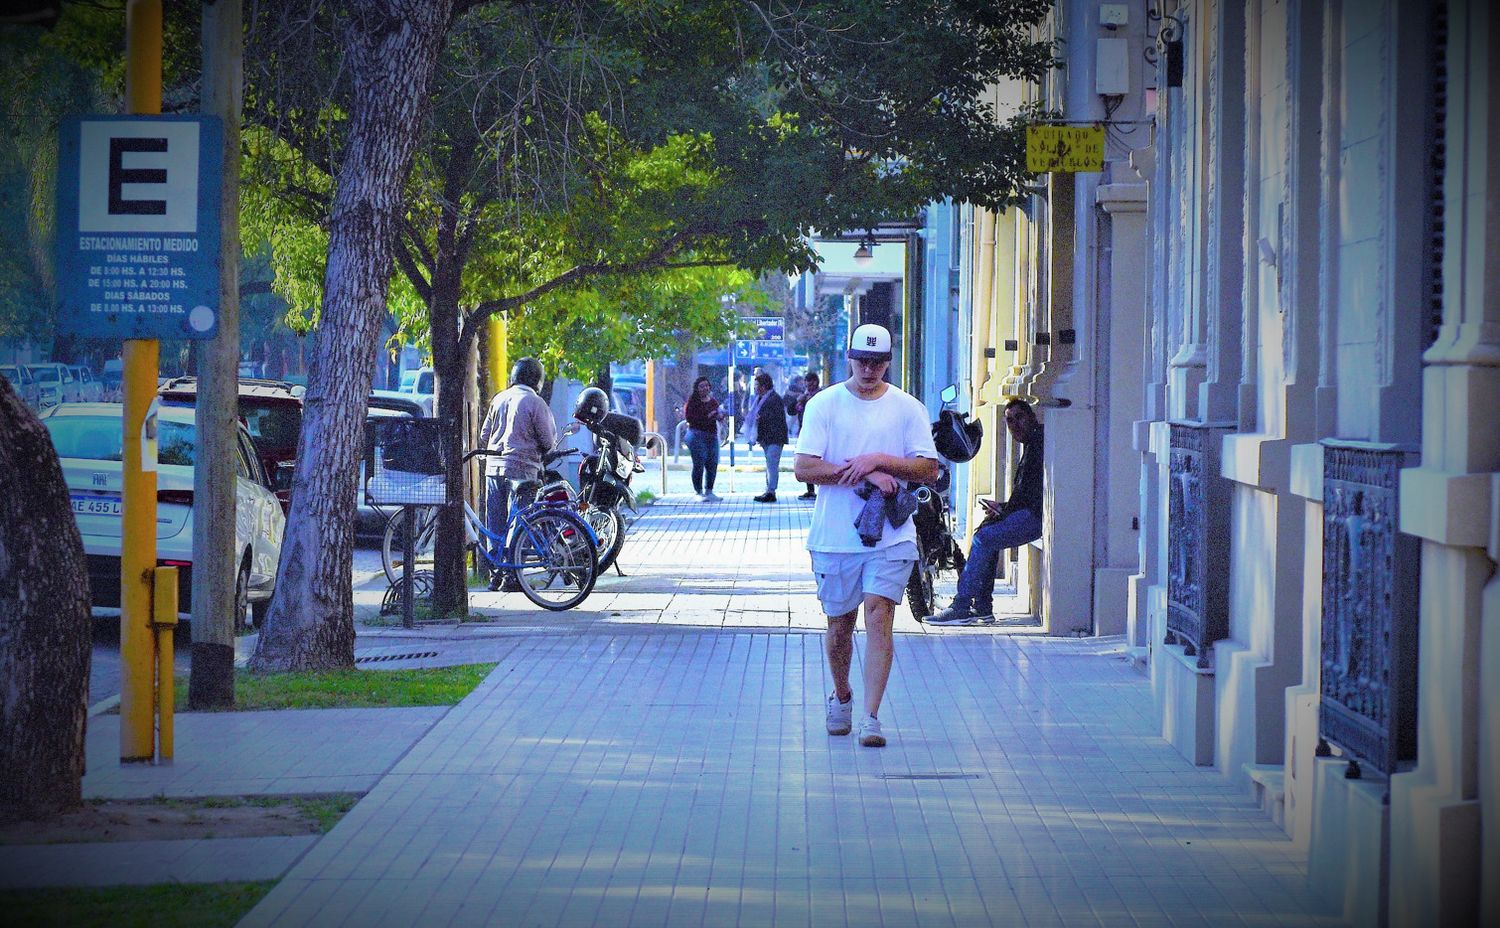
(97, 505)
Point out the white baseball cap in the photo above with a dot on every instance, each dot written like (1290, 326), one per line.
(870, 342)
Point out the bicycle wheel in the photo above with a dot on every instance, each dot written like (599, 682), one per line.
(393, 542)
(609, 528)
(556, 560)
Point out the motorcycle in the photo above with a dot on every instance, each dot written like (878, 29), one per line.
(604, 478)
(604, 481)
(937, 550)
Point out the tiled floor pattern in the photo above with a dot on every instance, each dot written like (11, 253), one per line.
(682, 778)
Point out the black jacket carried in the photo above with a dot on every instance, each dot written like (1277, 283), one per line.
(770, 421)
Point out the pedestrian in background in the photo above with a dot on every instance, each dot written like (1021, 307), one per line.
(519, 428)
(794, 388)
(770, 432)
(798, 405)
(703, 415)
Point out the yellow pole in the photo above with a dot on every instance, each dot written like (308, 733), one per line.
(164, 621)
(499, 357)
(138, 383)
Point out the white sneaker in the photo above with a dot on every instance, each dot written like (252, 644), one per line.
(712, 497)
(840, 715)
(869, 732)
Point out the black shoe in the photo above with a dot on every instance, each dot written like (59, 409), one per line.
(958, 614)
(495, 580)
(510, 584)
(808, 495)
(767, 497)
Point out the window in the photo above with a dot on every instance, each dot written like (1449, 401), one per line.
(97, 438)
(274, 427)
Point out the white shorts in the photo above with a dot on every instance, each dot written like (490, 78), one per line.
(845, 578)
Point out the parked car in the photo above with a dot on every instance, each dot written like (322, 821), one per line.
(271, 411)
(420, 383)
(369, 521)
(87, 437)
(89, 389)
(23, 383)
(112, 380)
(55, 382)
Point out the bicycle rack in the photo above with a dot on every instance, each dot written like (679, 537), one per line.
(661, 446)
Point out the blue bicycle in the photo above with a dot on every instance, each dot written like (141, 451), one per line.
(552, 552)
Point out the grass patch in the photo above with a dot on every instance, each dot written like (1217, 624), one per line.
(645, 497)
(350, 689)
(189, 905)
(325, 810)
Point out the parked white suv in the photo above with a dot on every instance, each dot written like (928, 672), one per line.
(87, 439)
(24, 384)
(55, 384)
(89, 389)
(420, 383)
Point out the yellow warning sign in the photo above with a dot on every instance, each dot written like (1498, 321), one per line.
(1064, 149)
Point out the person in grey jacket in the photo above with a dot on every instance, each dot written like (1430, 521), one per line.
(519, 426)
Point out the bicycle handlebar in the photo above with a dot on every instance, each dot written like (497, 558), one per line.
(547, 458)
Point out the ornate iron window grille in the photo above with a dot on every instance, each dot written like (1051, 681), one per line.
(1198, 520)
(1368, 654)
(1165, 32)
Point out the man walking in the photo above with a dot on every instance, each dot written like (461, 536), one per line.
(862, 431)
(1017, 522)
(520, 427)
(769, 428)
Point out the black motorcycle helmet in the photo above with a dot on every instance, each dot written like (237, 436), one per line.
(592, 406)
(956, 438)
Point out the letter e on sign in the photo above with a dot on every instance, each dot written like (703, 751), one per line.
(138, 178)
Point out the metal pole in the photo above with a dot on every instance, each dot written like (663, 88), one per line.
(164, 621)
(733, 408)
(408, 554)
(138, 457)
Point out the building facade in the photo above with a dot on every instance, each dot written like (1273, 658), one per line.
(1265, 342)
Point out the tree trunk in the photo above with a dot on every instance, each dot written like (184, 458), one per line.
(216, 562)
(392, 49)
(450, 590)
(450, 366)
(45, 641)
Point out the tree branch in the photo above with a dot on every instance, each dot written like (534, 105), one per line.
(652, 261)
(408, 263)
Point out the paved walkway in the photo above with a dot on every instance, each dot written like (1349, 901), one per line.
(683, 778)
(625, 766)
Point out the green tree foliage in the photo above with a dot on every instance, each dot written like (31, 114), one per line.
(42, 87)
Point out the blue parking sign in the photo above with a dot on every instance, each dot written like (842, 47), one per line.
(138, 226)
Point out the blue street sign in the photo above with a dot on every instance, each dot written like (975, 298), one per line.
(767, 328)
(138, 226)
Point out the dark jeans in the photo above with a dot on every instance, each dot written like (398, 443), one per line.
(496, 512)
(976, 586)
(704, 447)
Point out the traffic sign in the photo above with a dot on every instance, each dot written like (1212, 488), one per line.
(767, 328)
(138, 226)
(1064, 149)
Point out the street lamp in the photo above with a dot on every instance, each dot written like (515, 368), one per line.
(865, 253)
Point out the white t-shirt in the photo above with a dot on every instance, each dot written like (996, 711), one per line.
(838, 426)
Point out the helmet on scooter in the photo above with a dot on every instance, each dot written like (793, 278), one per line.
(955, 437)
(592, 406)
